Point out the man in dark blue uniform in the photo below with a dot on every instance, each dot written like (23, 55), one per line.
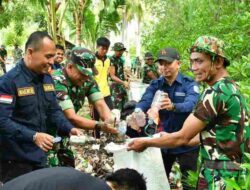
(182, 94)
(27, 104)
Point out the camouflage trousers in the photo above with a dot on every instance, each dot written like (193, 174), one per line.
(61, 155)
(213, 179)
(119, 95)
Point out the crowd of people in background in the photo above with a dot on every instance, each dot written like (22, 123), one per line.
(41, 96)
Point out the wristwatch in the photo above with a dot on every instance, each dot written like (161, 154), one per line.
(98, 126)
(173, 106)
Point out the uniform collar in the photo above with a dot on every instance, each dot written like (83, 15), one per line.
(29, 75)
(178, 79)
(103, 59)
(68, 81)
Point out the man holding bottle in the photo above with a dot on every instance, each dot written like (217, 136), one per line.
(179, 96)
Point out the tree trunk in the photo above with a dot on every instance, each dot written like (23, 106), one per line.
(138, 38)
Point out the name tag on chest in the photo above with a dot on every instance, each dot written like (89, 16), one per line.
(48, 88)
(25, 91)
(180, 94)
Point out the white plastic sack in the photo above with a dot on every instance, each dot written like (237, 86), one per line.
(148, 162)
(136, 90)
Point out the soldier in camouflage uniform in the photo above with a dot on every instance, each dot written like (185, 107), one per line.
(116, 72)
(220, 118)
(3, 56)
(149, 69)
(73, 84)
(17, 53)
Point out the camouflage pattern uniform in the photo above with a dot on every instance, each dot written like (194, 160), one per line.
(17, 54)
(118, 91)
(3, 54)
(227, 135)
(146, 69)
(72, 97)
(149, 68)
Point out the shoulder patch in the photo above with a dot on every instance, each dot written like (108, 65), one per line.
(61, 95)
(48, 87)
(25, 91)
(6, 99)
(196, 89)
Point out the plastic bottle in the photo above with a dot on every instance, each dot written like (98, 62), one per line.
(157, 99)
(122, 127)
(153, 119)
(140, 117)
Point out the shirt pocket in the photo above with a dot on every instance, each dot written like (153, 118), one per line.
(26, 106)
(50, 97)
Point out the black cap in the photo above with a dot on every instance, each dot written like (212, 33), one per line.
(168, 54)
(149, 55)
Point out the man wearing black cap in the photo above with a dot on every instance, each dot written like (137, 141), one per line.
(149, 70)
(116, 72)
(181, 96)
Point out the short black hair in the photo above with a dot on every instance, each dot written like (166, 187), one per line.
(127, 179)
(58, 46)
(103, 41)
(35, 38)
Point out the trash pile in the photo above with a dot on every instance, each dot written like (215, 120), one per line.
(90, 155)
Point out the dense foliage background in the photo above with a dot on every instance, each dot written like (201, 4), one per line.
(168, 23)
(179, 23)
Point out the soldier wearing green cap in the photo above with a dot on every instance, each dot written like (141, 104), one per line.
(116, 72)
(149, 69)
(219, 121)
(74, 83)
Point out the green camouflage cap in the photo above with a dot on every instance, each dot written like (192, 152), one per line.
(84, 59)
(118, 46)
(148, 55)
(210, 45)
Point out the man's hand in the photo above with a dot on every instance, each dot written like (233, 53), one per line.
(138, 145)
(44, 141)
(75, 131)
(132, 123)
(126, 84)
(108, 128)
(153, 113)
(166, 103)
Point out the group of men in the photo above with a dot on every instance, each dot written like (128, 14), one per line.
(39, 95)
(17, 54)
(218, 123)
(39, 102)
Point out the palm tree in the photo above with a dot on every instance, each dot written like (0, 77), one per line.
(55, 12)
(134, 10)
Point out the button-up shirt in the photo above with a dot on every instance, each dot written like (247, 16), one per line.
(27, 104)
(184, 93)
